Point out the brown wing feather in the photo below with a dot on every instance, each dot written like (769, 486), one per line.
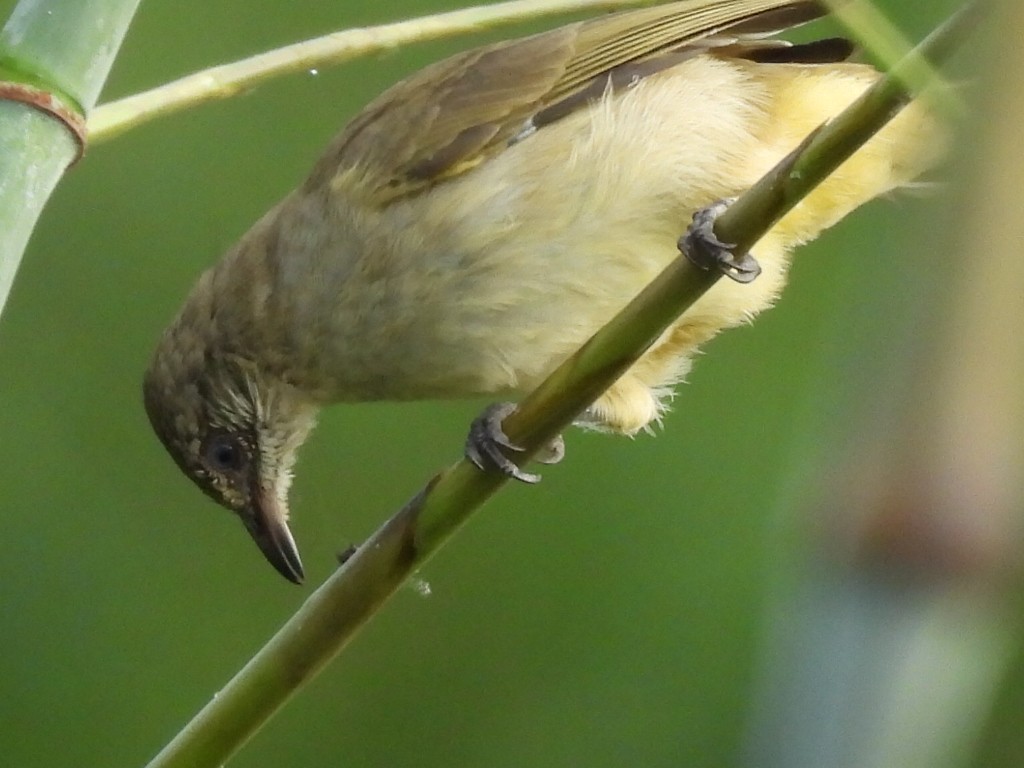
(452, 115)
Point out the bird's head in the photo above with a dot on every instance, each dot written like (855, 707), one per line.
(234, 431)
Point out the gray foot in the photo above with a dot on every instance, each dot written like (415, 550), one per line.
(702, 247)
(487, 442)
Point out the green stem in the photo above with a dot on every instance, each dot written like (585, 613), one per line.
(62, 51)
(332, 614)
(885, 46)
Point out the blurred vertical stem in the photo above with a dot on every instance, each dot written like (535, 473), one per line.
(55, 52)
(994, 241)
(890, 646)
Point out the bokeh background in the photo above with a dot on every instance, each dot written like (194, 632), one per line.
(674, 600)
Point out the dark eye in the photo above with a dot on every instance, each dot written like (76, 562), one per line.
(224, 453)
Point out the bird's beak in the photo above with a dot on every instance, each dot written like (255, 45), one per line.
(265, 521)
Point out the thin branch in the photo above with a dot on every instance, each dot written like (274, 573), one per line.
(226, 80)
(332, 614)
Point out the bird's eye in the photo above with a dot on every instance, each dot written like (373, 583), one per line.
(224, 453)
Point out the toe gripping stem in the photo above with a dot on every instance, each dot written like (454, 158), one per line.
(487, 444)
(702, 247)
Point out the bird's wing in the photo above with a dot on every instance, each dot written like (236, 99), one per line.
(451, 116)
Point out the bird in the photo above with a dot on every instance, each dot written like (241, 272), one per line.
(473, 225)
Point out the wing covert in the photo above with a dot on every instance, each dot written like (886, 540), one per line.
(453, 115)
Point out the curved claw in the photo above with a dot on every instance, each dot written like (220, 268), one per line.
(702, 247)
(487, 442)
(487, 445)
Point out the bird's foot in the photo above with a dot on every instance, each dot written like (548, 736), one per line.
(487, 443)
(702, 247)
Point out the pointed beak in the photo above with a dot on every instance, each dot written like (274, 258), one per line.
(265, 522)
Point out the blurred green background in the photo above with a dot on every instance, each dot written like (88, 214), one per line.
(613, 615)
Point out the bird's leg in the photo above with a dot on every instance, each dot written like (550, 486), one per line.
(702, 247)
(487, 442)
